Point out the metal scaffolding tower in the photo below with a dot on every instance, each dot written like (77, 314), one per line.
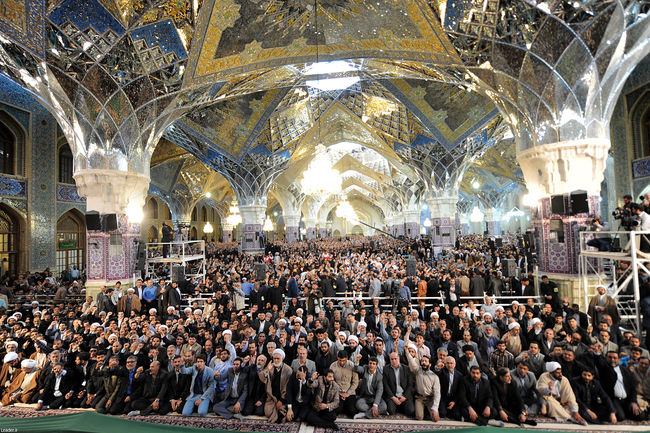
(190, 255)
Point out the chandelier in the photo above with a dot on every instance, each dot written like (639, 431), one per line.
(476, 215)
(207, 228)
(268, 225)
(234, 219)
(320, 177)
(345, 211)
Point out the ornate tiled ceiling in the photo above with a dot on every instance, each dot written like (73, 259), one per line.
(228, 80)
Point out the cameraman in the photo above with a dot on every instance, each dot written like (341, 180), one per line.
(602, 242)
(644, 225)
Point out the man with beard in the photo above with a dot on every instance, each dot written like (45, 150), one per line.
(152, 387)
(348, 380)
(398, 387)
(256, 389)
(559, 399)
(326, 401)
(232, 399)
(299, 395)
(478, 401)
(23, 386)
(526, 387)
(59, 389)
(276, 378)
(10, 368)
(594, 404)
(370, 402)
(427, 387)
(115, 380)
(178, 388)
(618, 382)
(507, 401)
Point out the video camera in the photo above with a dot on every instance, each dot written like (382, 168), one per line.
(626, 218)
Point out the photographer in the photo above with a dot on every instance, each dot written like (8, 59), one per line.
(602, 242)
(643, 226)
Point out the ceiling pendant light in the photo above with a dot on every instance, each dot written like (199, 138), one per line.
(320, 178)
(234, 219)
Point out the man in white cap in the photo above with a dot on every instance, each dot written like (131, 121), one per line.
(276, 377)
(23, 386)
(559, 402)
(513, 339)
(128, 303)
(10, 369)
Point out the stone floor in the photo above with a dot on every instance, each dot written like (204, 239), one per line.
(380, 425)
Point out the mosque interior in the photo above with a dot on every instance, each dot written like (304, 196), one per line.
(228, 118)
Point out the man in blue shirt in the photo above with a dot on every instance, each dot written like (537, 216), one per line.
(201, 387)
(246, 286)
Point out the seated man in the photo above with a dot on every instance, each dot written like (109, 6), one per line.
(202, 387)
(59, 389)
(642, 375)
(276, 378)
(527, 387)
(370, 402)
(299, 395)
(477, 404)
(152, 387)
(326, 401)
(10, 368)
(507, 401)
(115, 378)
(450, 390)
(398, 387)
(256, 389)
(594, 404)
(618, 382)
(231, 401)
(23, 386)
(177, 388)
(559, 401)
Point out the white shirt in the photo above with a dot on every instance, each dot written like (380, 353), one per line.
(619, 387)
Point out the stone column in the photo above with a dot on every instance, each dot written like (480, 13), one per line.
(227, 231)
(443, 220)
(111, 256)
(292, 227)
(559, 169)
(310, 226)
(412, 223)
(252, 221)
(492, 217)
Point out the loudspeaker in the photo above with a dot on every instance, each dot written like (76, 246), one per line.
(260, 271)
(110, 222)
(509, 268)
(411, 266)
(558, 205)
(93, 221)
(499, 242)
(578, 203)
(178, 274)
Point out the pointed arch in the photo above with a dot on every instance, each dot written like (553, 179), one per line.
(71, 241)
(13, 139)
(12, 240)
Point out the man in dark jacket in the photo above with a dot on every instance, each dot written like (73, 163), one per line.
(59, 389)
(619, 383)
(177, 390)
(398, 387)
(594, 405)
(508, 404)
(151, 389)
(299, 395)
(115, 380)
(256, 389)
(231, 401)
(451, 390)
(477, 404)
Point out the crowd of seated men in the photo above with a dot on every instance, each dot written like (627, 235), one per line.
(282, 348)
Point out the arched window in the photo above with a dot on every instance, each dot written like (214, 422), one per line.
(193, 234)
(152, 235)
(151, 209)
(9, 240)
(65, 164)
(204, 214)
(194, 218)
(645, 132)
(7, 150)
(71, 241)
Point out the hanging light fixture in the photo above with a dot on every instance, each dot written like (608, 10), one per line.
(427, 223)
(207, 228)
(345, 211)
(268, 225)
(234, 219)
(476, 215)
(320, 177)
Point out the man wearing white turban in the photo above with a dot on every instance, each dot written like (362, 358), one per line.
(559, 401)
(23, 386)
(10, 368)
(275, 377)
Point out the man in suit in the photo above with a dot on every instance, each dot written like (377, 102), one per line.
(115, 379)
(276, 378)
(477, 405)
(202, 387)
(299, 395)
(231, 401)
(256, 389)
(526, 387)
(370, 402)
(59, 389)
(476, 285)
(172, 296)
(152, 388)
(594, 404)
(398, 387)
(619, 383)
(450, 390)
